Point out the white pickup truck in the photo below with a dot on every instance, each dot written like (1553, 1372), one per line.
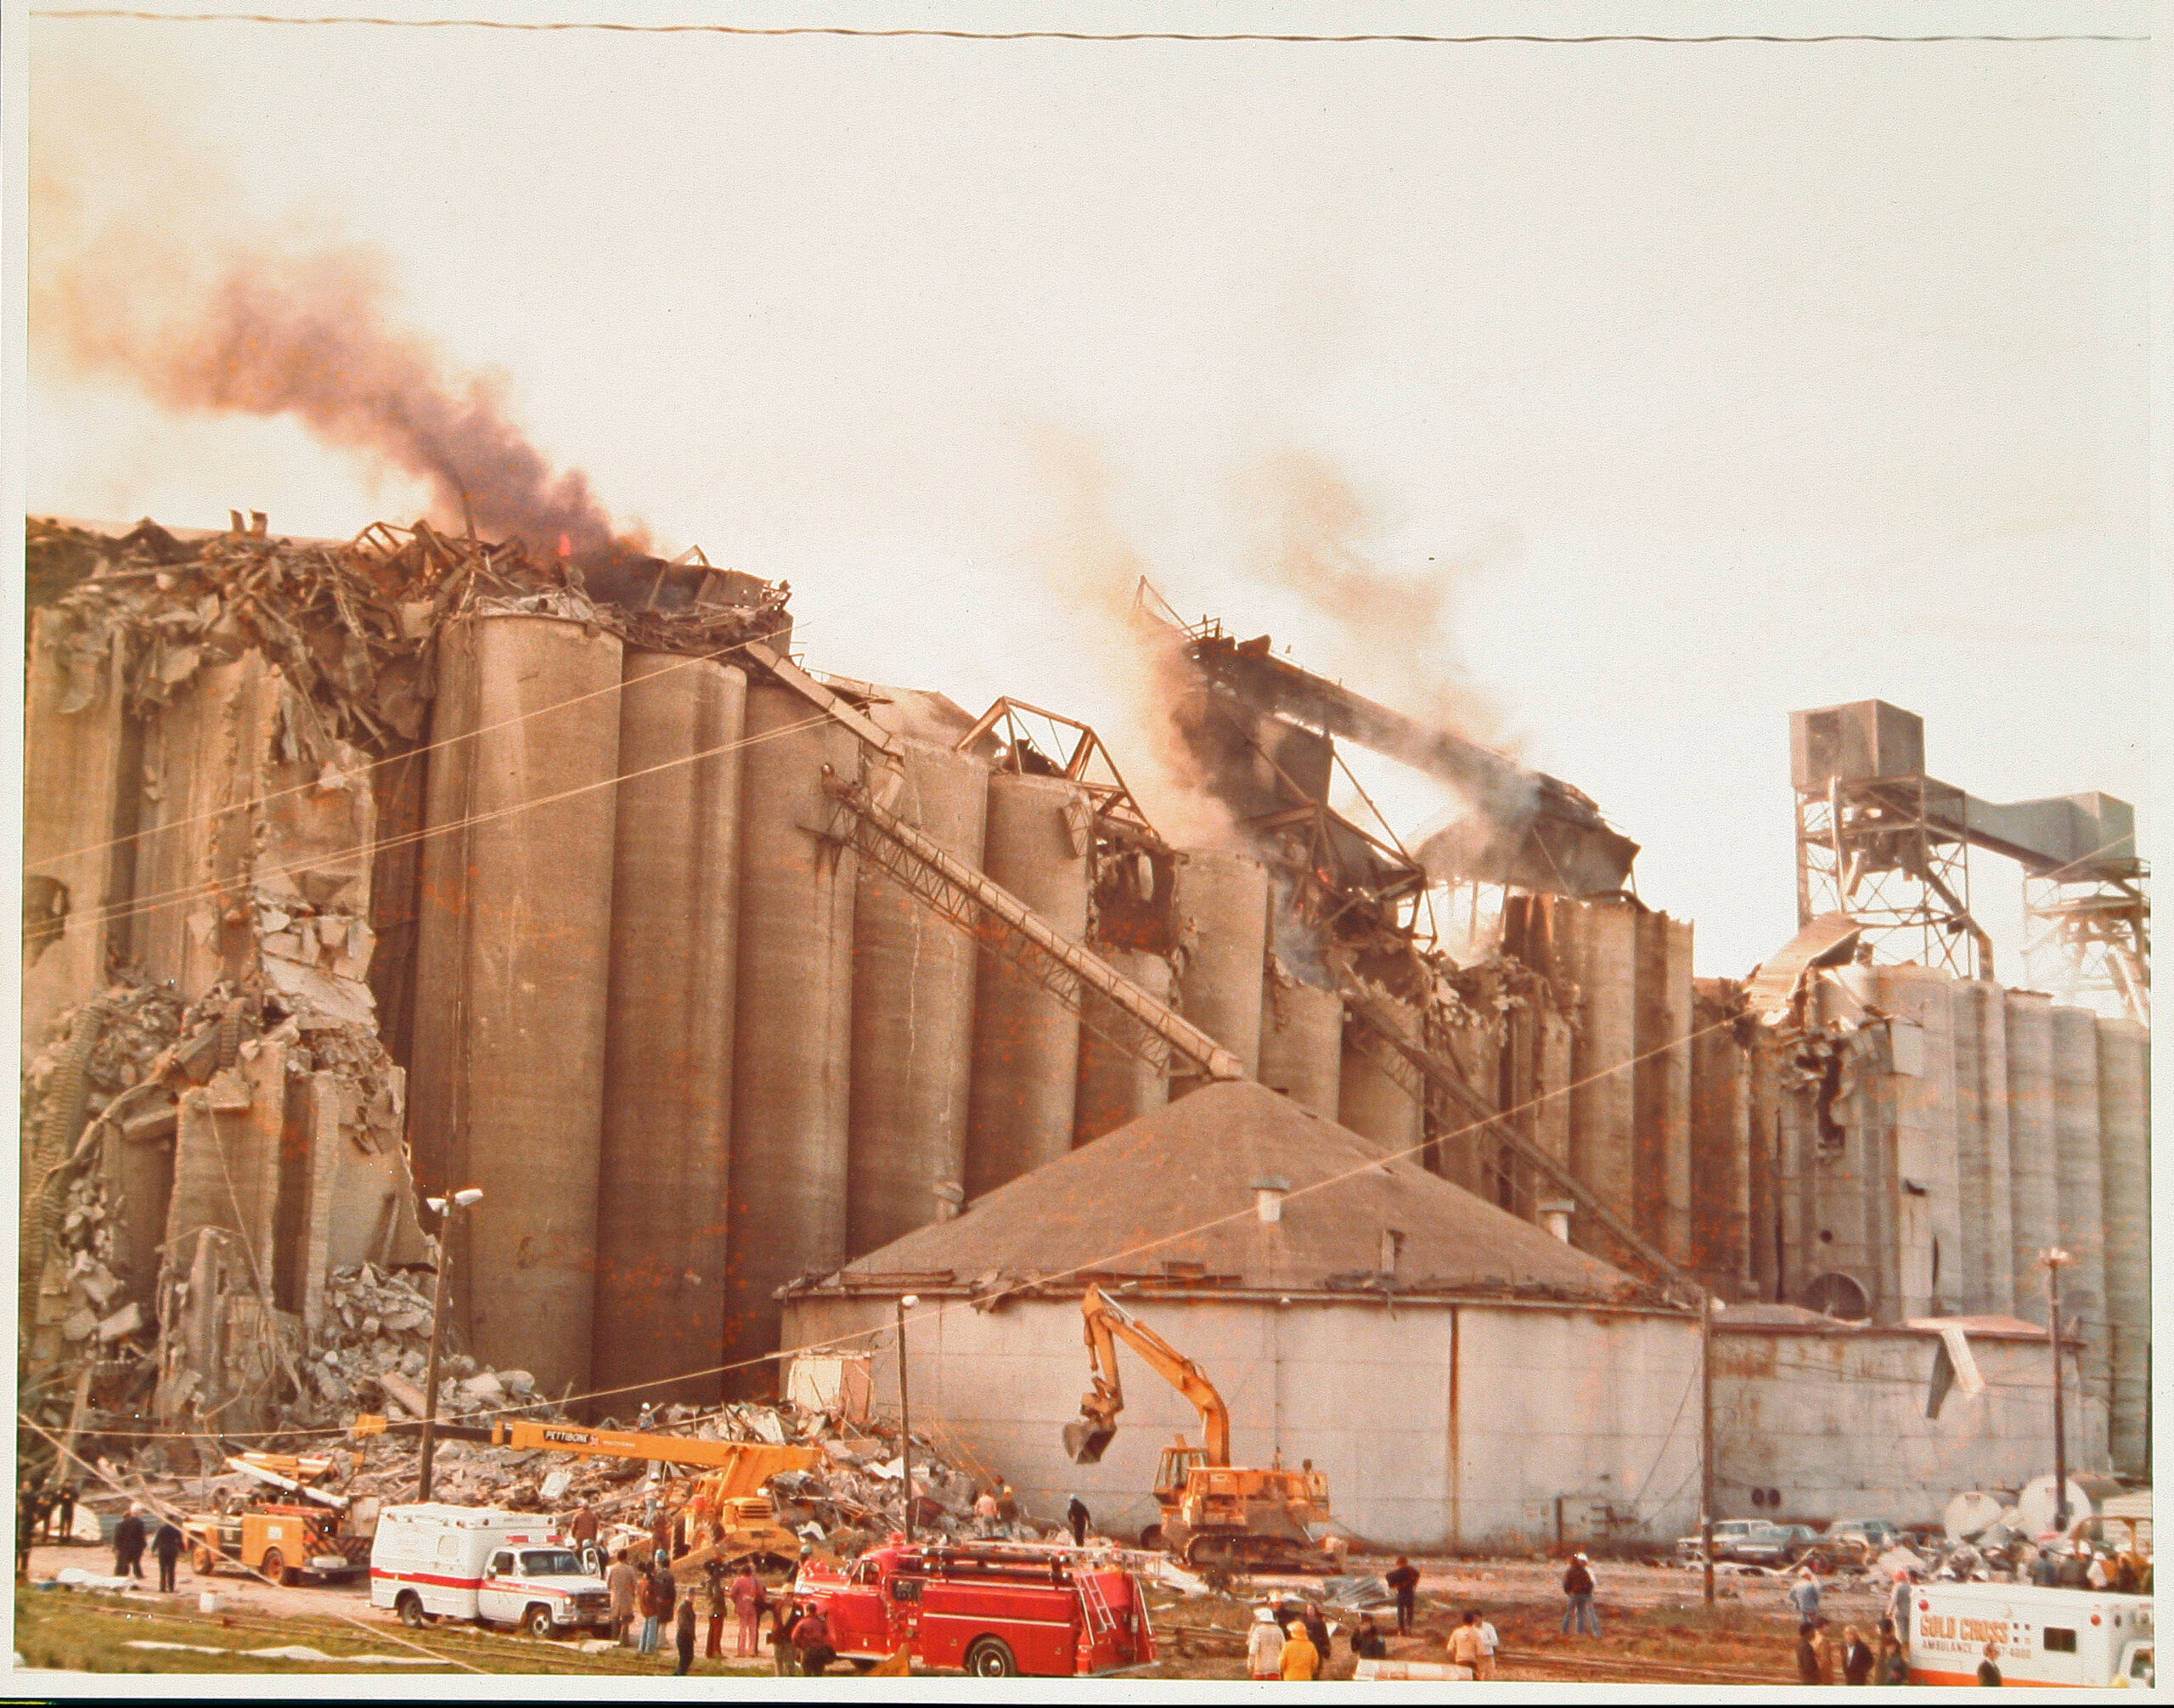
(2086, 1638)
(446, 1562)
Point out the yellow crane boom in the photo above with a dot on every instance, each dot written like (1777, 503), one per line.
(1105, 1323)
(744, 1466)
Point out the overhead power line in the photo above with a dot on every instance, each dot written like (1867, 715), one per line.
(863, 32)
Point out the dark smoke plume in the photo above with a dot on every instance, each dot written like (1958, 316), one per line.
(244, 326)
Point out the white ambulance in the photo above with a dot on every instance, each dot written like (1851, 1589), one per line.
(444, 1562)
(2087, 1637)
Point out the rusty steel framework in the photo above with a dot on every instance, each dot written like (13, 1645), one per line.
(1886, 851)
(1068, 748)
(2091, 935)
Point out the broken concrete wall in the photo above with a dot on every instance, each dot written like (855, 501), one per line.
(76, 817)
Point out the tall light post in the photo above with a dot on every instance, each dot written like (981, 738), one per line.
(1708, 1305)
(445, 1208)
(2055, 1259)
(906, 1303)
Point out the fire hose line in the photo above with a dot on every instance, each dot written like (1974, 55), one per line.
(929, 1314)
(161, 899)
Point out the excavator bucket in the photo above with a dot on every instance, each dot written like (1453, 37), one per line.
(1086, 1441)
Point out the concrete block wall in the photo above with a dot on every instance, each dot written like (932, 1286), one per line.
(1439, 1427)
(1834, 1418)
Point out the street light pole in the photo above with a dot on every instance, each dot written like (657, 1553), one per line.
(445, 1208)
(2055, 1259)
(905, 1415)
(1706, 1435)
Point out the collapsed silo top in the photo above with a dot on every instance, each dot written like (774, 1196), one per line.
(1171, 1195)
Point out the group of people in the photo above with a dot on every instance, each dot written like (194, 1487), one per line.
(2081, 1566)
(1295, 1640)
(799, 1636)
(1855, 1658)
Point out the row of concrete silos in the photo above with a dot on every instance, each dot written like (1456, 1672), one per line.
(1923, 1141)
(690, 1048)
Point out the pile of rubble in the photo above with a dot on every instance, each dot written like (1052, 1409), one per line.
(854, 1498)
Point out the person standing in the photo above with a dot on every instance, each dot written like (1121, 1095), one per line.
(683, 1631)
(1464, 1643)
(812, 1637)
(1894, 1664)
(1809, 1670)
(25, 1525)
(166, 1545)
(1075, 1515)
(1490, 1640)
(129, 1540)
(650, 1600)
(1898, 1605)
(720, 1598)
(1580, 1616)
(1989, 1669)
(1804, 1597)
(985, 1513)
(63, 1514)
(747, 1603)
(1403, 1579)
(782, 1654)
(622, 1580)
(2045, 1569)
(1316, 1630)
(1301, 1661)
(1857, 1658)
(1265, 1646)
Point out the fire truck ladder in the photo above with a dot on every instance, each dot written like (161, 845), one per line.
(1416, 1067)
(1100, 1619)
(1006, 926)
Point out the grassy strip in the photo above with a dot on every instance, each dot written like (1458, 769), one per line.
(84, 1632)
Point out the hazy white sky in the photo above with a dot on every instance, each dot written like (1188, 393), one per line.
(1662, 389)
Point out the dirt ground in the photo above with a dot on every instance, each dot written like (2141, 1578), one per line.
(1651, 1617)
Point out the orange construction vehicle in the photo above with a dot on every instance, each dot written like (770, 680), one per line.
(724, 1513)
(1215, 1516)
(311, 1534)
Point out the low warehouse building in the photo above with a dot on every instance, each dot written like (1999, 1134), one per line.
(1464, 1380)
(1819, 1420)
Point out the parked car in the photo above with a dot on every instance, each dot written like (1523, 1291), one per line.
(1877, 1534)
(1727, 1532)
(1776, 1545)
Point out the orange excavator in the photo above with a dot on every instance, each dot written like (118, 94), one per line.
(726, 1514)
(1215, 1516)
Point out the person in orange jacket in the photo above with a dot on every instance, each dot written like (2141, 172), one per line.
(1301, 1659)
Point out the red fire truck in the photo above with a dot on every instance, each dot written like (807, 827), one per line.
(993, 1609)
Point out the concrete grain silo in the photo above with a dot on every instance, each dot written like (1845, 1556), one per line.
(2034, 1205)
(793, 1043)
(1372, 1101)
(513, 952)
(2125, 1152)
(1302, 1043)
(2079, 1190)
(1115, 1084)
(1981, 1147)
(667, 1113)
(1220, 905)
(913, 1015)
(1026, 1059)
(1596, 947)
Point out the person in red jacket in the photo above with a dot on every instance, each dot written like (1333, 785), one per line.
(1577, 1586)
(812, 1637)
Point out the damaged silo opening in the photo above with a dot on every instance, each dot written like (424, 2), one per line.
(363, 872)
